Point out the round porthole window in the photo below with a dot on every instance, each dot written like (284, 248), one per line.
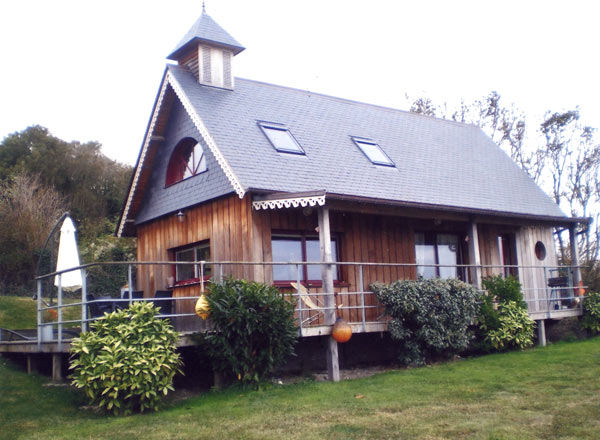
(540, 250)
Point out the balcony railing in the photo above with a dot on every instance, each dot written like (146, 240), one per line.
(548, 291)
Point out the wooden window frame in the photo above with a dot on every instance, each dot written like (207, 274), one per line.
(302, 236)
(197, 245)
(460, 271)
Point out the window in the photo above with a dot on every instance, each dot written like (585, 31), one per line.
(188, 159)
(373, 152)
(508, 254)
(299, 248)
(281, 138)
(437, 248)
(540, 251)
(198, 252)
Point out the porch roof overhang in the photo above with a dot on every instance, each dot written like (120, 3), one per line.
(279, 200)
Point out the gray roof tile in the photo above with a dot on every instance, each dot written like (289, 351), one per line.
(438, 162)
(205, 29)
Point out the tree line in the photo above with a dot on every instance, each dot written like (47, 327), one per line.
(559, 153)
(41, 177)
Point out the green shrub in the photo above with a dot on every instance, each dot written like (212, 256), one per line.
(503, 319)
(127, 361)
(515, 328)
(255, 329)
(591, 312)
(504, 289)
(430, 318)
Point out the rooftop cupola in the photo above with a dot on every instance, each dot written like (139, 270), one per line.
(207, 50)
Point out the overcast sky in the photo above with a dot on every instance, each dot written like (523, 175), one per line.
(90, 70)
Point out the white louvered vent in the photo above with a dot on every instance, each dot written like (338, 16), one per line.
(206, 65)
(227, 77)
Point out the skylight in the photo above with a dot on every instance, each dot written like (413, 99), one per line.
(281, 138)
(373, 152)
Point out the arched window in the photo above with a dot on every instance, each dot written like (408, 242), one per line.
(187, 160)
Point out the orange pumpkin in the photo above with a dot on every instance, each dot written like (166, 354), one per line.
(342, 331)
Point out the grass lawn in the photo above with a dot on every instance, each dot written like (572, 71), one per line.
(544, 393)
(18, 312)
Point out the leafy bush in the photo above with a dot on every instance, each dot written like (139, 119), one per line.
(503, 318)
(515, 328)
(255, 329)
(505, 289)
(430, 318)
(591, 312)
(127, 361)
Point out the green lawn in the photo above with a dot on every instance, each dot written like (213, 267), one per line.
(17, 312)
(547, 393)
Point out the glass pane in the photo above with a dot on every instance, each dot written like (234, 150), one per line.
(203, 254)
(282, 139)
(286, 249)
(195, 162)
(447, 245)
(313, 253)
(425, 254)
(185, 271)
(374, 153)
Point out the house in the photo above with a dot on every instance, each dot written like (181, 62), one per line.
(235, 170)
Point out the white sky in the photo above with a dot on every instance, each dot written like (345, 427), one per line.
(90, 70)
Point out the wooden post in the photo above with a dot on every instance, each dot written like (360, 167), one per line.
(474, 257)
(31, 364)
(56, 367)
(574, 257)
(541, 333)
(333, 367)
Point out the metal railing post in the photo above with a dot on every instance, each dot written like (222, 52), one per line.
(39, 314)
(83, 300)
(300, 315)
(130, 283)
(362, 298)
(202, 276)
(60, 314)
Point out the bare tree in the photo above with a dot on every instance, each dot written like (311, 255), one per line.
(28, 211)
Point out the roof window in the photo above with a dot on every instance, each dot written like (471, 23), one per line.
(373, 152)
(281, 138)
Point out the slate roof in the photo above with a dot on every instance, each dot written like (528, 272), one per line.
(207, 30)
(438, 162)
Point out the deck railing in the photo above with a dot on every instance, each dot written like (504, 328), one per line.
(548, 292)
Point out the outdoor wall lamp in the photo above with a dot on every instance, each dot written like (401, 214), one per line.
(180, 216)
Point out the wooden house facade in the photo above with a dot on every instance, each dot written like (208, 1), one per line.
(246, 174)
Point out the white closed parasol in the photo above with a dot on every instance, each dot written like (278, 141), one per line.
(68, 257)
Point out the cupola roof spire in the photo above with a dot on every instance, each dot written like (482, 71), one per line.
(206, 30)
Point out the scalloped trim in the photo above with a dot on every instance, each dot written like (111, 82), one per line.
(237, 186)
(289, 203)
(138, 169)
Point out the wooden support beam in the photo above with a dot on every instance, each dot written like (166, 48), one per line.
(474, 256)
(57, 367)
(333, 368)
(541, 332)
(574, 256)
(31, 363)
